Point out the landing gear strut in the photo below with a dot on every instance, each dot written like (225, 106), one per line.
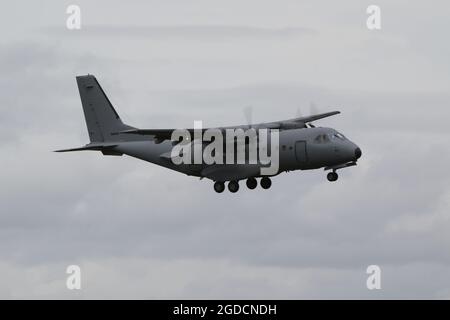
(233, 186)
(332, 176)
(251, 183)
(265, 182)
(219, 186)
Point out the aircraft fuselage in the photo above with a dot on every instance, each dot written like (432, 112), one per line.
(299, 149)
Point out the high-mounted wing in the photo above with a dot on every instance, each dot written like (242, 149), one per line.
(315, 117)
(301, 122)
(158, 134)
(296, 123)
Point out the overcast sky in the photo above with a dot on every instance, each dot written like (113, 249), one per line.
(141, 231)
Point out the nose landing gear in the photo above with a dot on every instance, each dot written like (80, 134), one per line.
(332, 176)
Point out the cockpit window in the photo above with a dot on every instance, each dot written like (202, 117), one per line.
(318, 139)
(339, 135)
(322, 138)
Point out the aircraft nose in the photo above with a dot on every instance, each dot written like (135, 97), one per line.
(358, 153)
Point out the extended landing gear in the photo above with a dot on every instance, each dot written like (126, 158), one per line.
(251, 183)
(332, 176)
(233, 186)
(266, 182)
(219, 186)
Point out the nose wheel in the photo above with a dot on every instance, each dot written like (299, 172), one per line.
(332, 176)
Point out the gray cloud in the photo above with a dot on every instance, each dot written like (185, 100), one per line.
(201, 32)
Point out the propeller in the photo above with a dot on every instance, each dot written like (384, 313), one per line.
(312, 110)
(248, 113)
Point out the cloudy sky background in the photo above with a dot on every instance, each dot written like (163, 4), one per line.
(140, 231)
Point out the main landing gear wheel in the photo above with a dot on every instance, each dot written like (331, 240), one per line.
(219, 186)
(332, 176)
(251, 183)
(266, 182)
(233, 186)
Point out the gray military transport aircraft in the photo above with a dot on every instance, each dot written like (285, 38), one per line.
(302, 146)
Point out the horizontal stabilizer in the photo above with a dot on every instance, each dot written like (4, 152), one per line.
(90, 147)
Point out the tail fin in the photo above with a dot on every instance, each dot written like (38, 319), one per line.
(102, 121)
